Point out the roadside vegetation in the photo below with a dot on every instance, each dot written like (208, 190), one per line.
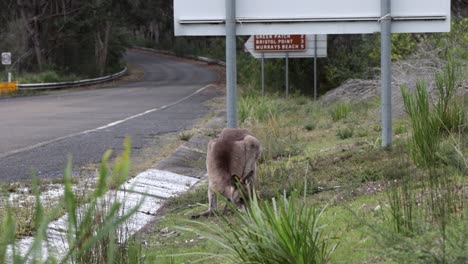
(406, 205)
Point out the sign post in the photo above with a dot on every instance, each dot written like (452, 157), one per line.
(287, 75)
(231, 67)
(263, 74)
(6, 60)
(315, 67)
(386, 72)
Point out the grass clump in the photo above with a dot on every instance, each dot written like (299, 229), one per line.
(400, 128)
(310, 126)
(362, 132)
(254, 108)
(430, 125)
(426, 135)
(344, 133)
(278, 139)
(285, 230)
(186, 135)
(448, 110)
(340, 111)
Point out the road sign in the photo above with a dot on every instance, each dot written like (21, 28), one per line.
(261, 44)
(279, 43)
(6, 58)
(261, 17)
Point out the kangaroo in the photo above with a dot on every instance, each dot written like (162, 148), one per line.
(231, 165)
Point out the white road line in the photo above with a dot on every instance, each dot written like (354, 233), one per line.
(44, 143)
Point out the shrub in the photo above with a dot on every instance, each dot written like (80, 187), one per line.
(310, 126)
(345, 133)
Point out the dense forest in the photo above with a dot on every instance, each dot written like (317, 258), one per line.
(84, 37)
(88, 38)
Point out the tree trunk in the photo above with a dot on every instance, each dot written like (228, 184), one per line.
(32, 27)
(101, 46)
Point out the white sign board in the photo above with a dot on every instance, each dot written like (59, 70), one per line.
(6, 58)
(260, 17)
(307, 53)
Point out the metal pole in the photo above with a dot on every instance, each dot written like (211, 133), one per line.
(231, 72)
(315, 67)
(9, 77)
(386, 73)
(263, 74)
(287, 74)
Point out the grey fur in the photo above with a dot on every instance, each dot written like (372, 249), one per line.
(231, 165)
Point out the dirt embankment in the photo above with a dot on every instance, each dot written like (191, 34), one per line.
(405, 73)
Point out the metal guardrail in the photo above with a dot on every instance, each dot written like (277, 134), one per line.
(59, 85)
(198, 58)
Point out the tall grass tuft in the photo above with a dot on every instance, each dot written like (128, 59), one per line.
(340, 111)
(425, 139)
(277, 138)
(285, 230)
(92, 230)
(257, 108)
(403, 211)
(448, 109)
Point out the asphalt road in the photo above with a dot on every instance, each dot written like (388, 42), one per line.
(38, 133)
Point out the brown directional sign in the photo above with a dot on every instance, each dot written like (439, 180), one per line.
(279, 43)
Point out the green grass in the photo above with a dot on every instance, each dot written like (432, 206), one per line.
(48, 76)
(340, 111)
